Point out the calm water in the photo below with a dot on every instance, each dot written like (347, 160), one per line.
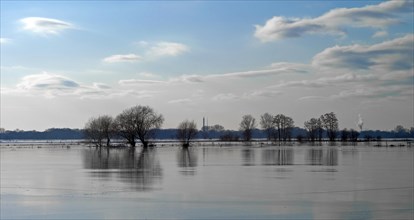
(210, 182)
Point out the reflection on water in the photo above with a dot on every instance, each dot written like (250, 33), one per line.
(248, 157)
(187, 160)
(140, 170)
(318, 156)
(50, 183)
(282, 156)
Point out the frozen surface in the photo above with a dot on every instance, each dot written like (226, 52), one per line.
(206, 182)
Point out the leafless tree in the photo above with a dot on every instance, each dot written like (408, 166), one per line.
(266, 122)
(312, 128)
(345, 135)
(320, 130)
(187, 130)
(287, 124)
(247, 125)
(353, 135)
(138, 122)
(100, 129)
(330, 123)
(277, 121)
(283, 125)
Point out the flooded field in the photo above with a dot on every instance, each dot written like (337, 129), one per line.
(50, 181)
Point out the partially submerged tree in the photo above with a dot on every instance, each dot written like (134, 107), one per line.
(266, 122)
(186, 131)
(312, 128)
(330, 123)
(247, 125)
(100, 129)
(283, 125)
(138, 122)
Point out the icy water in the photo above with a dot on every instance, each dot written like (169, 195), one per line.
(206, 182)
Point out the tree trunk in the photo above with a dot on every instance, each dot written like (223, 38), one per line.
(145, 144)
(132, 143)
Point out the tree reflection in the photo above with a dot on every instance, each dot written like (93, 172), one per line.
(318, 156)
(282, 156)
(187, 160)
(248, 157)
(140, 171)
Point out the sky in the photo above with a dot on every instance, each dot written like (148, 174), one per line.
(63, 62)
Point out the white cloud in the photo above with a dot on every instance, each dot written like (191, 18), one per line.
(45, 26)
(225, 97)
(122, 58)
(148, 75)
(263, 93)
(167, 49)
(396, 54)
(180, 101)
(4, 40)
(379, 34)
(371, 16)
(138, 82)
(47, 81)
(328, 81)
(53, 85)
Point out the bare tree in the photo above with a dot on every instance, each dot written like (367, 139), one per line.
(345, 135)
(287, 124)
(353, 135)
(312, 128)
(277, 121)
(330, 122)
(266, 122)
(187, 130)
(320, 129)
(138, 122)
(283, 125)
(98, 129)
(247, 125)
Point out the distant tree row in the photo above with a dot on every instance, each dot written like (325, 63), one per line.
(141, 123)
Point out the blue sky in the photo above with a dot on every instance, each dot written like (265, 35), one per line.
(63, 62)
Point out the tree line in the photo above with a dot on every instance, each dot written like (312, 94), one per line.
(140, 123)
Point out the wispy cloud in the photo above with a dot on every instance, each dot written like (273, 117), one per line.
(225, 97)
(396, 54)
(119, 58)
(333, 22)
(262, 93)
(138, 82)
(151, 51)
(180, 101)
(165, 48)
(45, 26)
(148, 75)
(4, 40)
(51, 85)
(47, 81)
(327, 81)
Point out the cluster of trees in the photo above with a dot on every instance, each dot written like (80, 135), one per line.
(279, 127)
(135, 123)
(315, 127)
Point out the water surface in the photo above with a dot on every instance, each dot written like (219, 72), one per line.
(206, 182)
